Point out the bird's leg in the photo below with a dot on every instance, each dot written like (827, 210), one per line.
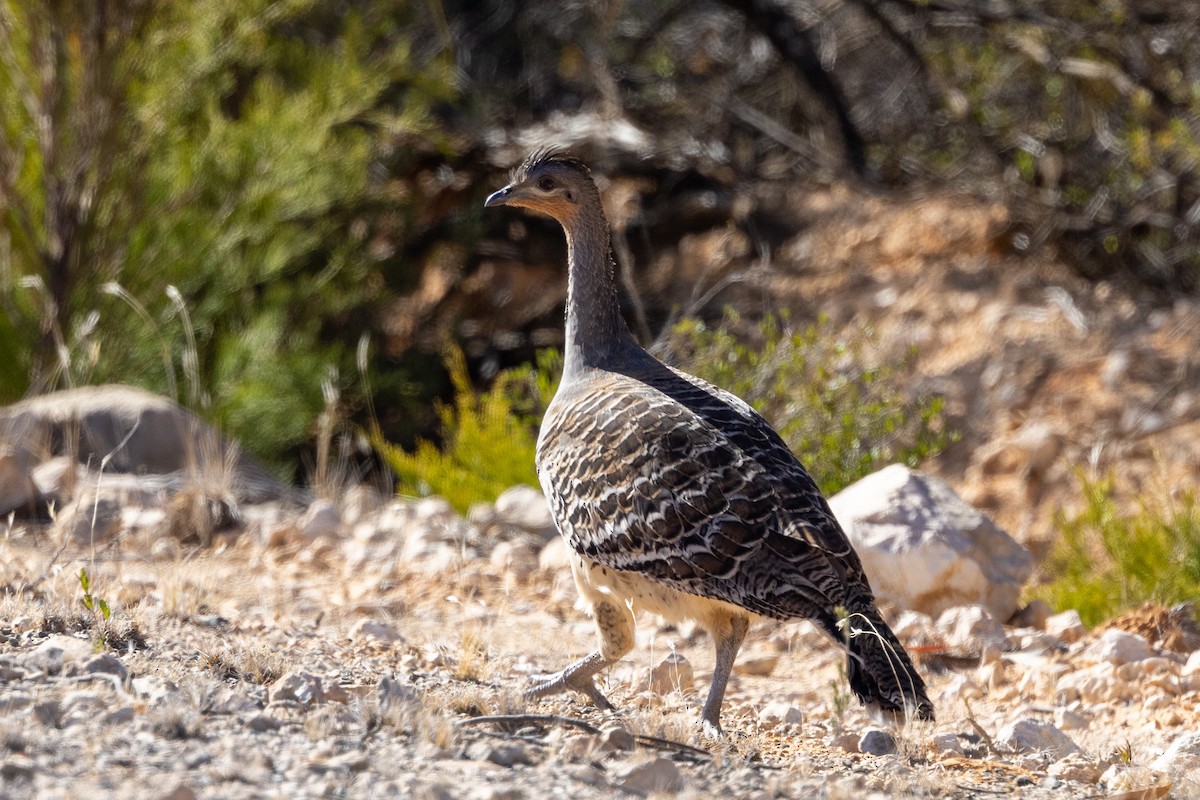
(614, 627)
(728, 640)
(579, 676)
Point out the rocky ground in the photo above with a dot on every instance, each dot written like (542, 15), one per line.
(359, 649)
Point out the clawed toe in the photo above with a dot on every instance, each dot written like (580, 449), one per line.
(564, 681)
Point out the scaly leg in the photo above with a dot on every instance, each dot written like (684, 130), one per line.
(614, 626)
(728, 637)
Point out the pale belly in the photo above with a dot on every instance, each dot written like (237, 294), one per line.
(597, 583)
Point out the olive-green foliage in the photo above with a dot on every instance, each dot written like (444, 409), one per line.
(489, 437)
(842, 418)
(1108, 560)
(239, 166)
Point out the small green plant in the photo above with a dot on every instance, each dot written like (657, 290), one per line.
(1107, 559)
(97, 606)
(842, 417)
(489, 438)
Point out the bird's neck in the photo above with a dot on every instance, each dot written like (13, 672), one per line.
(596, 334)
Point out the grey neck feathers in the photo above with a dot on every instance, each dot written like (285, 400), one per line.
(596, 335)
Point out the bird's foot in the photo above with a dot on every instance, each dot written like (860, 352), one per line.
(565, 681)
(710, 730)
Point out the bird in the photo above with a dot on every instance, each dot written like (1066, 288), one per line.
(675, 496)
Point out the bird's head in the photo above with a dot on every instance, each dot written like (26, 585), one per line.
(550, 183)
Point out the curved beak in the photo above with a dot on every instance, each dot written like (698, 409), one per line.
(499, 198)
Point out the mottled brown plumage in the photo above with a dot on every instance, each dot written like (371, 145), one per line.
(678, 497)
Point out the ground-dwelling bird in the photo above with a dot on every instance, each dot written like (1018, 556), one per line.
(676, 496)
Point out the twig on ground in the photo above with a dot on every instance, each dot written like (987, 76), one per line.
(513, 720)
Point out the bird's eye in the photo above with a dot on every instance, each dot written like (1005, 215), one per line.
(546, 183)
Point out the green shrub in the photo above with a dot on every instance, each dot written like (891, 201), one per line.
(1107, 560)
(489, 438)
(842, 419)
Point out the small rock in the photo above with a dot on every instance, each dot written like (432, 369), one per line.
(1066, 626)
(1076, 767)
(153, 688)
(616, 738)
(84, 700)
(504, 754)
(845, 741)
(180, 792)
(1118, 647)
(57, 651)
(15, 701)
(971, 628)
(525, 507)
(17, 768)
(368, 628)
(1181, 758)
(779, 713)
(353, 761)
(517, 559)
(89, 519)
(120, 716)
(301, 687)
(556, 556)
(877, 743)
(1095, 684)
(10, 673)
(646, 777)
(1067, 719)
(674, 672)
(105, 664)
(434, 509)
(320, 520)
(393, 694)
(264, 723)
(946, 744)
(761, 665)
(359, 502)
(1034, 736)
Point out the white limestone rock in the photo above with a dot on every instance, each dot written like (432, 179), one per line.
(1117, 647)
(926, 549)
(1035, 736)
(1066, 626)
(971, 628)
(1181, 758)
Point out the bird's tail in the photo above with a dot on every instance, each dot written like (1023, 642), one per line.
(880, 672)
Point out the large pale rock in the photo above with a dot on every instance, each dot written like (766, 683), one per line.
(926, 549)
(1181, 758)
(127, 430)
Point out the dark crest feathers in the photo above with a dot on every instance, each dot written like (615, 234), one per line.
(547, 155)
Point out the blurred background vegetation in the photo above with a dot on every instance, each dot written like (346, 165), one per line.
(238, 202)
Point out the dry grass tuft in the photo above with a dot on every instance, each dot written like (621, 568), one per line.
(256, 663)
(195, 514)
